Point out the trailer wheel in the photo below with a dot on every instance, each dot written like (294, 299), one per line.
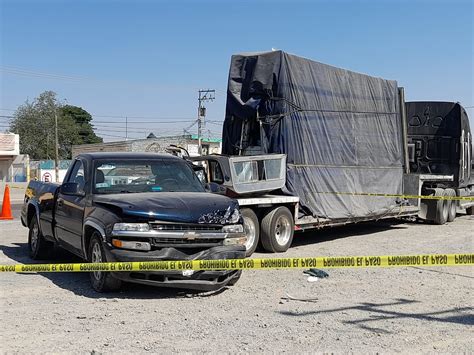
(452, 205)
(441, 207)
(277, 229)
(251, 229)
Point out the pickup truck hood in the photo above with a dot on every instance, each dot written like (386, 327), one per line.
(186, 207)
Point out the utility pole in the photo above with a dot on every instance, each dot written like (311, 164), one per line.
(126, 128)
(56, 144)
(204, 95)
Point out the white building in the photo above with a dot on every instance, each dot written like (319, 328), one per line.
(10, 158)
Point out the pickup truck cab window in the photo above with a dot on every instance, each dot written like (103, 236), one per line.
(122, 176)
(77, 175)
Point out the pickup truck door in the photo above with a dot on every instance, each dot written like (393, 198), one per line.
(70, 212)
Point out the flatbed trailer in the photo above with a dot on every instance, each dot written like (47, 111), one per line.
(307, 145)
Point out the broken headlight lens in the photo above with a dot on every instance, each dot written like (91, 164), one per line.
(234, 217)
(132, 227)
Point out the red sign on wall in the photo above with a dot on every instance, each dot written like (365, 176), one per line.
(46, 177)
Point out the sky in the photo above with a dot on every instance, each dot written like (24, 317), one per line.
(146, 60)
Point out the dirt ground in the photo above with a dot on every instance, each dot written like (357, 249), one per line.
(361, 310)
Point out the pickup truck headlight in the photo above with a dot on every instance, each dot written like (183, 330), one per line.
(233, 228)
(133, 227)
(235, 216)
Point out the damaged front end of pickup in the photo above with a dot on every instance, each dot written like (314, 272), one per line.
(184, 227)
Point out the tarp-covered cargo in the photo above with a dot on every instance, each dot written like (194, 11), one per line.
(341, 130)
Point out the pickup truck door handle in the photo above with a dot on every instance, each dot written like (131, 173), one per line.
(60, 202)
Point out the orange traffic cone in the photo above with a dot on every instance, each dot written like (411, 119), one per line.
(6, 207)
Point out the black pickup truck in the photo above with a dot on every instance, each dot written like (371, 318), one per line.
(135, 207)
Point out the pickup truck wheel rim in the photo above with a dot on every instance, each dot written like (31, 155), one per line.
(96, 258)
(34, 236)
(249, 229)
(282, 230)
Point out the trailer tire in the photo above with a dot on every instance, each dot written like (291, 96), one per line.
(452, 205)
(101, 281)
(277, 229)
(38, 247)
(251, 229)
(441, 207)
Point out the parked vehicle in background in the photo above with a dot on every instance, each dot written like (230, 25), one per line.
(440, 142)
(135, 207)
(336, 136)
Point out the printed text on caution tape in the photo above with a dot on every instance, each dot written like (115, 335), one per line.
(249, 264)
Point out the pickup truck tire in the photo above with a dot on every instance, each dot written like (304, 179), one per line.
(452, 205)
(101, 281)
(277, 229)
(441, 207)
(38, 247)
(251, 229)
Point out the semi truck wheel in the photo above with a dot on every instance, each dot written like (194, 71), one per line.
(277, 229)
(452, 205)
(101, 281)
(251, 229)
(441, 207)
(38, 247)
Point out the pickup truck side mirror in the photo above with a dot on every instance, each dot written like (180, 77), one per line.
(71, 188)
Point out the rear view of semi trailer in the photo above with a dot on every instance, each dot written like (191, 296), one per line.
(305, 144)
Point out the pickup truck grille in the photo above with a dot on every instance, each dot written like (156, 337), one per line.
(186, 227)
(181, 241)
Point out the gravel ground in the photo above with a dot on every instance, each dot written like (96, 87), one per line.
(361, 310)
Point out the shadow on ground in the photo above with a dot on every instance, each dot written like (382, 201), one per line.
(353, 230)
(378, 312)
(78, 282)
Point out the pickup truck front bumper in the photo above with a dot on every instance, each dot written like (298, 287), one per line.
(198, 280)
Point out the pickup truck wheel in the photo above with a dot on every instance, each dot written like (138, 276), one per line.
(277, 229)
(38, 247)
(251, 229)
(441, 207)
(452, 205)
(101, 281)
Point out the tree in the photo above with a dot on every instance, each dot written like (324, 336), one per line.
(34, 122)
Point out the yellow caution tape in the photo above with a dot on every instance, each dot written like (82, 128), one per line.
(251, 264)
(423, 197)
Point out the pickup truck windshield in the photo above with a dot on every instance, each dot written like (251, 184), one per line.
(122, 176)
